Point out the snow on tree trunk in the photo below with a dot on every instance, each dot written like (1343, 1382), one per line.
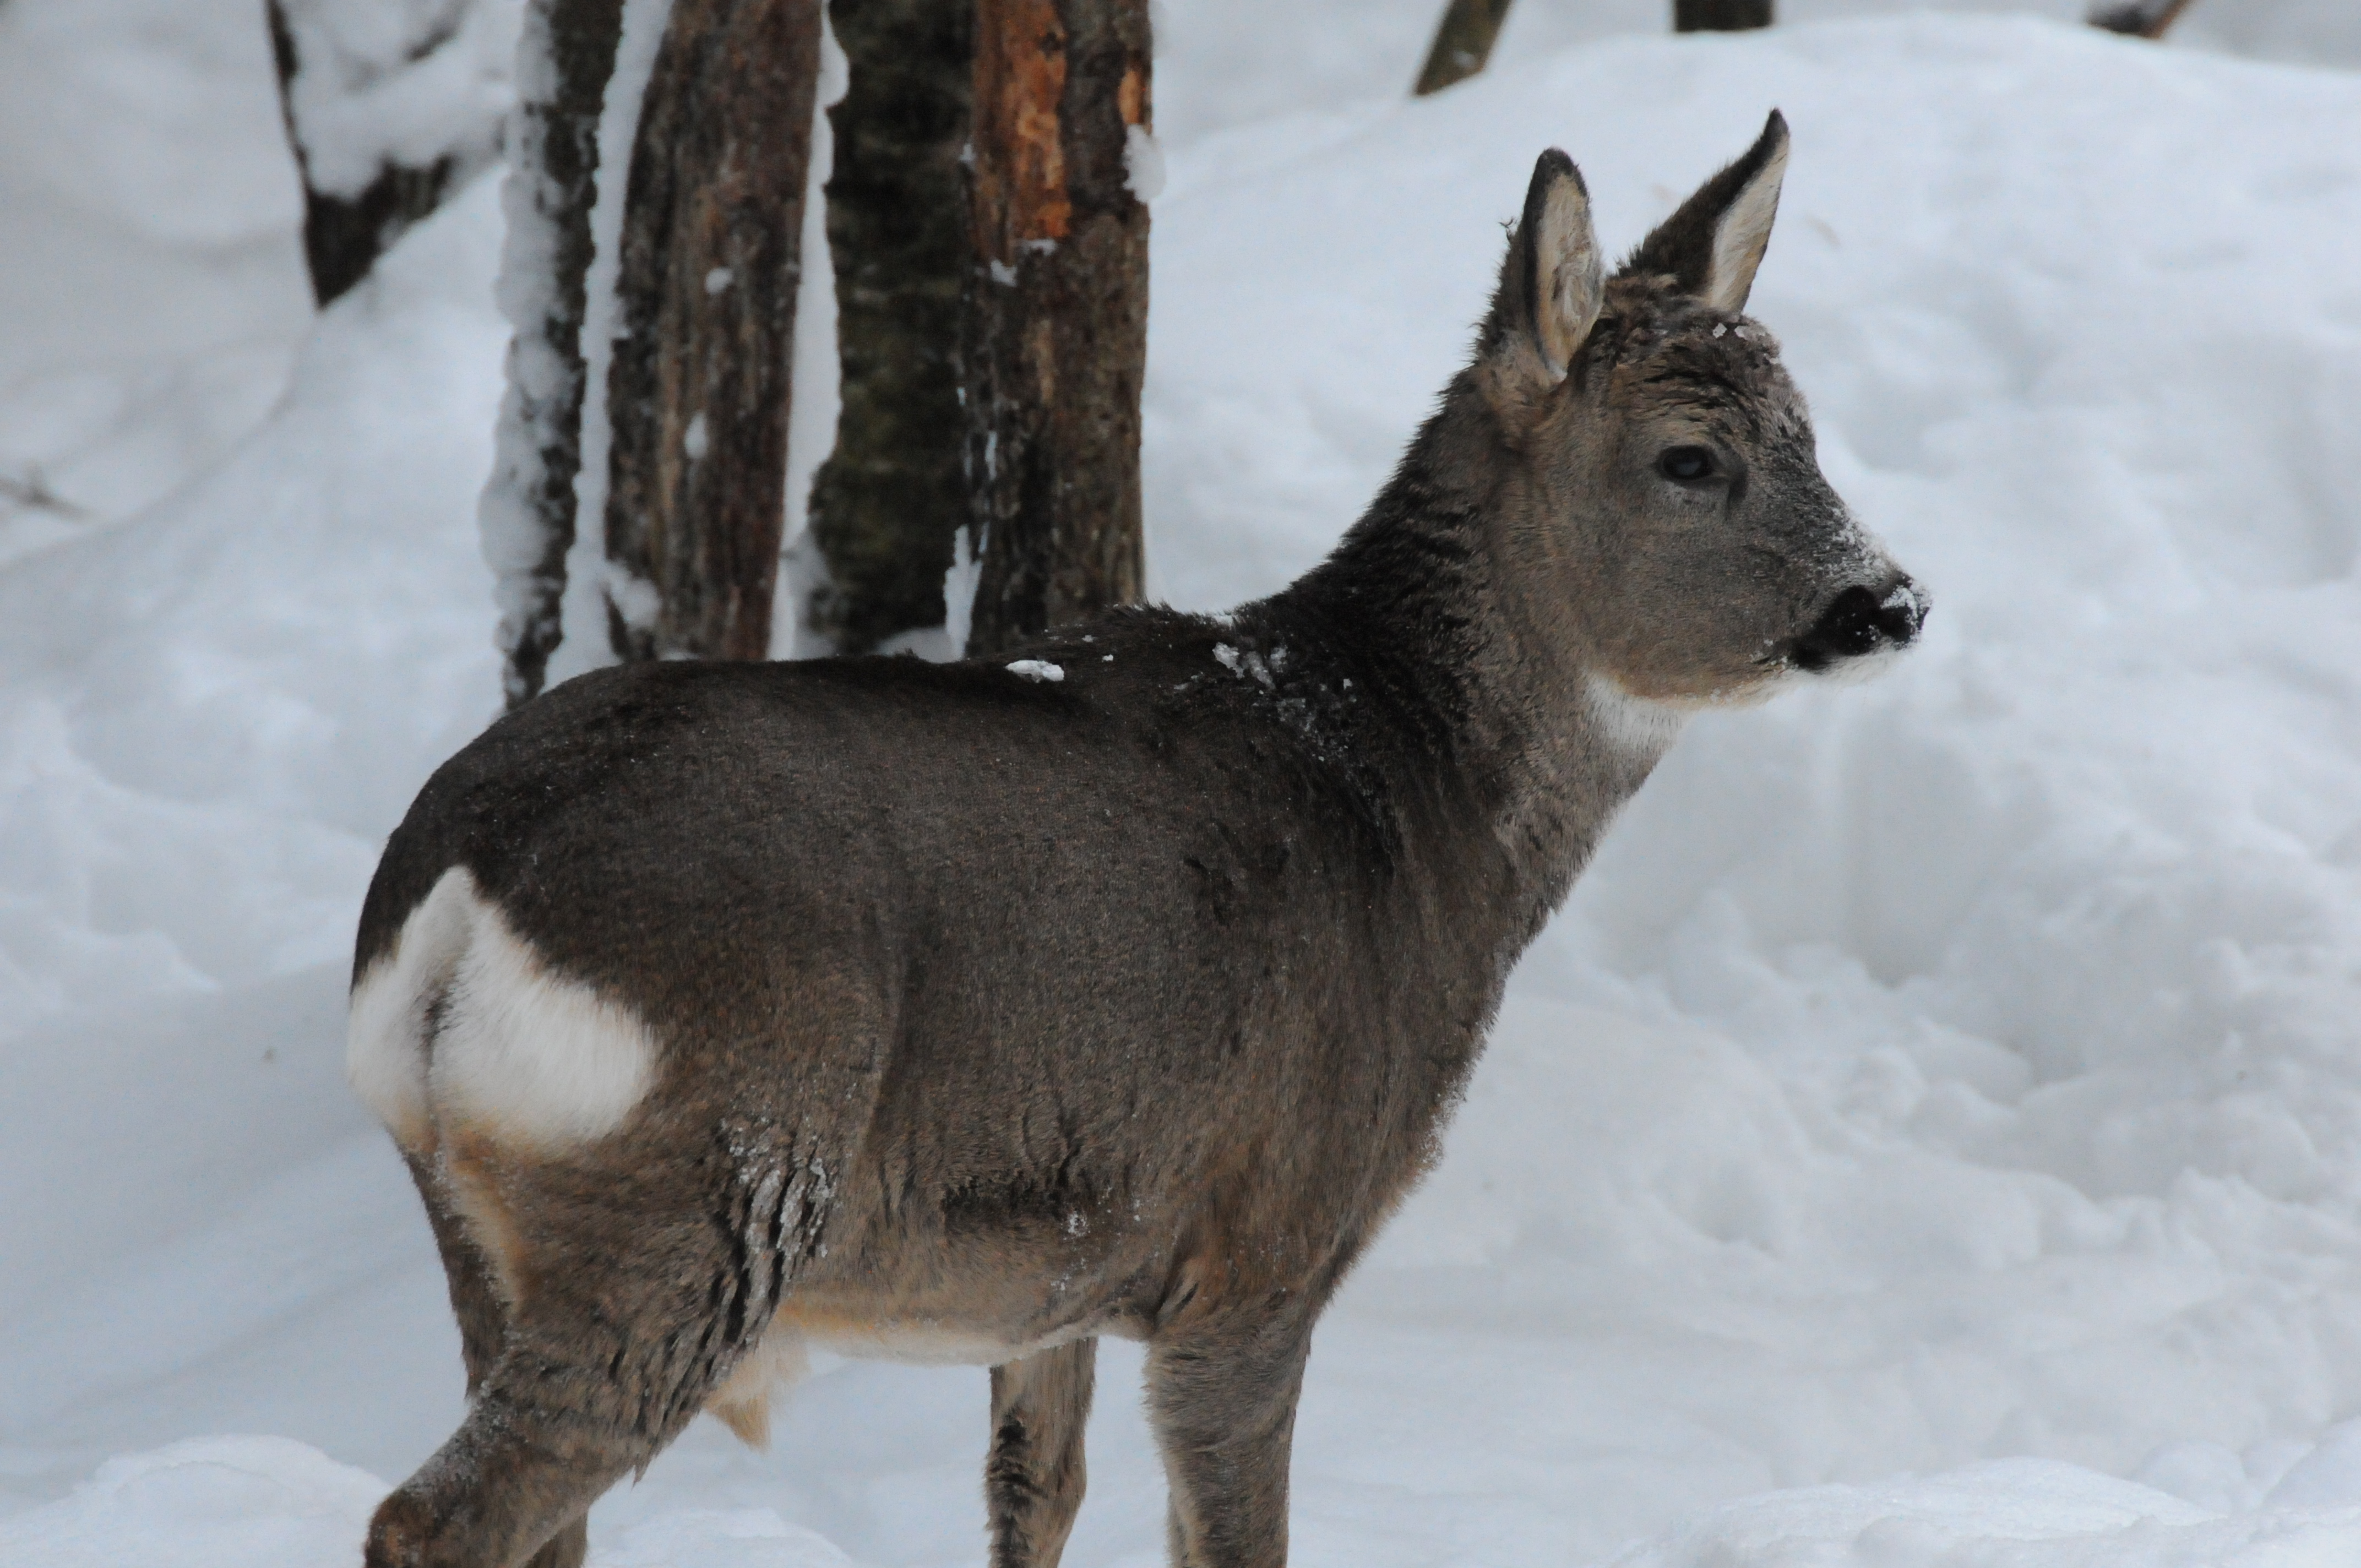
(564, 60)
(656, 219)
(389, 106)
(888, 499)
(698, 393)
(1056, 338)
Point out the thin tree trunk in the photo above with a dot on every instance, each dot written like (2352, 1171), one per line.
(345, 231)
(1720, 15)
(698, 388)
(1463, 42)
(1056, 329)
(887, 502)
(528, 507)
(2138, 18)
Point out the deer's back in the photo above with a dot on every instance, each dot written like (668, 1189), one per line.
(1031, 955)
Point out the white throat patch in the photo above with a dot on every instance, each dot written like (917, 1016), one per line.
(1636, 726)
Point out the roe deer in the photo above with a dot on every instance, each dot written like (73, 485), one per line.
(967, 1013)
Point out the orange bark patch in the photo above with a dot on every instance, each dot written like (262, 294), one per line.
(1131, 96)
(1020, 164)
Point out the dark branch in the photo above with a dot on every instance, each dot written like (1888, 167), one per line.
(2138, 18)
(1463, 42)
(33, 493)
(1720, 15)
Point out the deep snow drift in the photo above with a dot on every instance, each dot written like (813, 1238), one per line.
(1953, 1077)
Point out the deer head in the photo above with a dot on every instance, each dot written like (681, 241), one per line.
(1665, 509)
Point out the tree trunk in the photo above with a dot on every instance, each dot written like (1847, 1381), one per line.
(1720, 15)
(2138, 18)
(889, 500)
(352, 217)
(528, 507)
(1463, 42)
(1057, 327)
(699, 385)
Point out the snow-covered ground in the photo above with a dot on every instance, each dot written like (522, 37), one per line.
(1932, 1134)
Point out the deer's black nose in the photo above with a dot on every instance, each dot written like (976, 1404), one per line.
(1862, 620)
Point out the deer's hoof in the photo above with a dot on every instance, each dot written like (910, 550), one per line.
(399, 1534)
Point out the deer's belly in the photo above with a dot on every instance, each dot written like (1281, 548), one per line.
(916, 1342)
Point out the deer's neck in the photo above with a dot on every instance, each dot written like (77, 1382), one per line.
(1464, 691)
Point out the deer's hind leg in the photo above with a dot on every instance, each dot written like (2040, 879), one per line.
(629, 1284)
(1033, 1478)
(482, 1316)
(475, 1295)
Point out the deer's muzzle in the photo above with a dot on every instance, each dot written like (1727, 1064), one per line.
(1859, 621)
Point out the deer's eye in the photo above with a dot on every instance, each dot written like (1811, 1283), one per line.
(1685, 464)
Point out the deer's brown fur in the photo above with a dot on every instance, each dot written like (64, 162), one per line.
(959, 1011)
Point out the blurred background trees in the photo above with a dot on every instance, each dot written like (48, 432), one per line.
(988, 223)
(989, 246)
(1464, 39)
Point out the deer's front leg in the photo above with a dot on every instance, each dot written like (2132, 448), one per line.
(1222, 1400)
(1033, 1478)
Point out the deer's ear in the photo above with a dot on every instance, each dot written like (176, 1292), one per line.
(1557, 279)
(1715, 242)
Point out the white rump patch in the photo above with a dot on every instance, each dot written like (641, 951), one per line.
(520, 1055)
(525, 1054)
(385, 1032)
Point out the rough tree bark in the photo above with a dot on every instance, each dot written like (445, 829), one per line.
(1014, 284)
(530, 503)
(2138, 18)
(1056, 316)
(889, 500)
(698, 392)
(1720, 15)
(350, 221)
(1463, 43)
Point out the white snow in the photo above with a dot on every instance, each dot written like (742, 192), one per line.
(1931, 1136)
(811, 418)
(960, 583)
(206, 1503)
(142, 160)
(1037, 670)
(408, 83)
(2015, 1513)
(1143, 163)
(1245, 665)
(584, 643)
(941, 644)
(515, 533)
